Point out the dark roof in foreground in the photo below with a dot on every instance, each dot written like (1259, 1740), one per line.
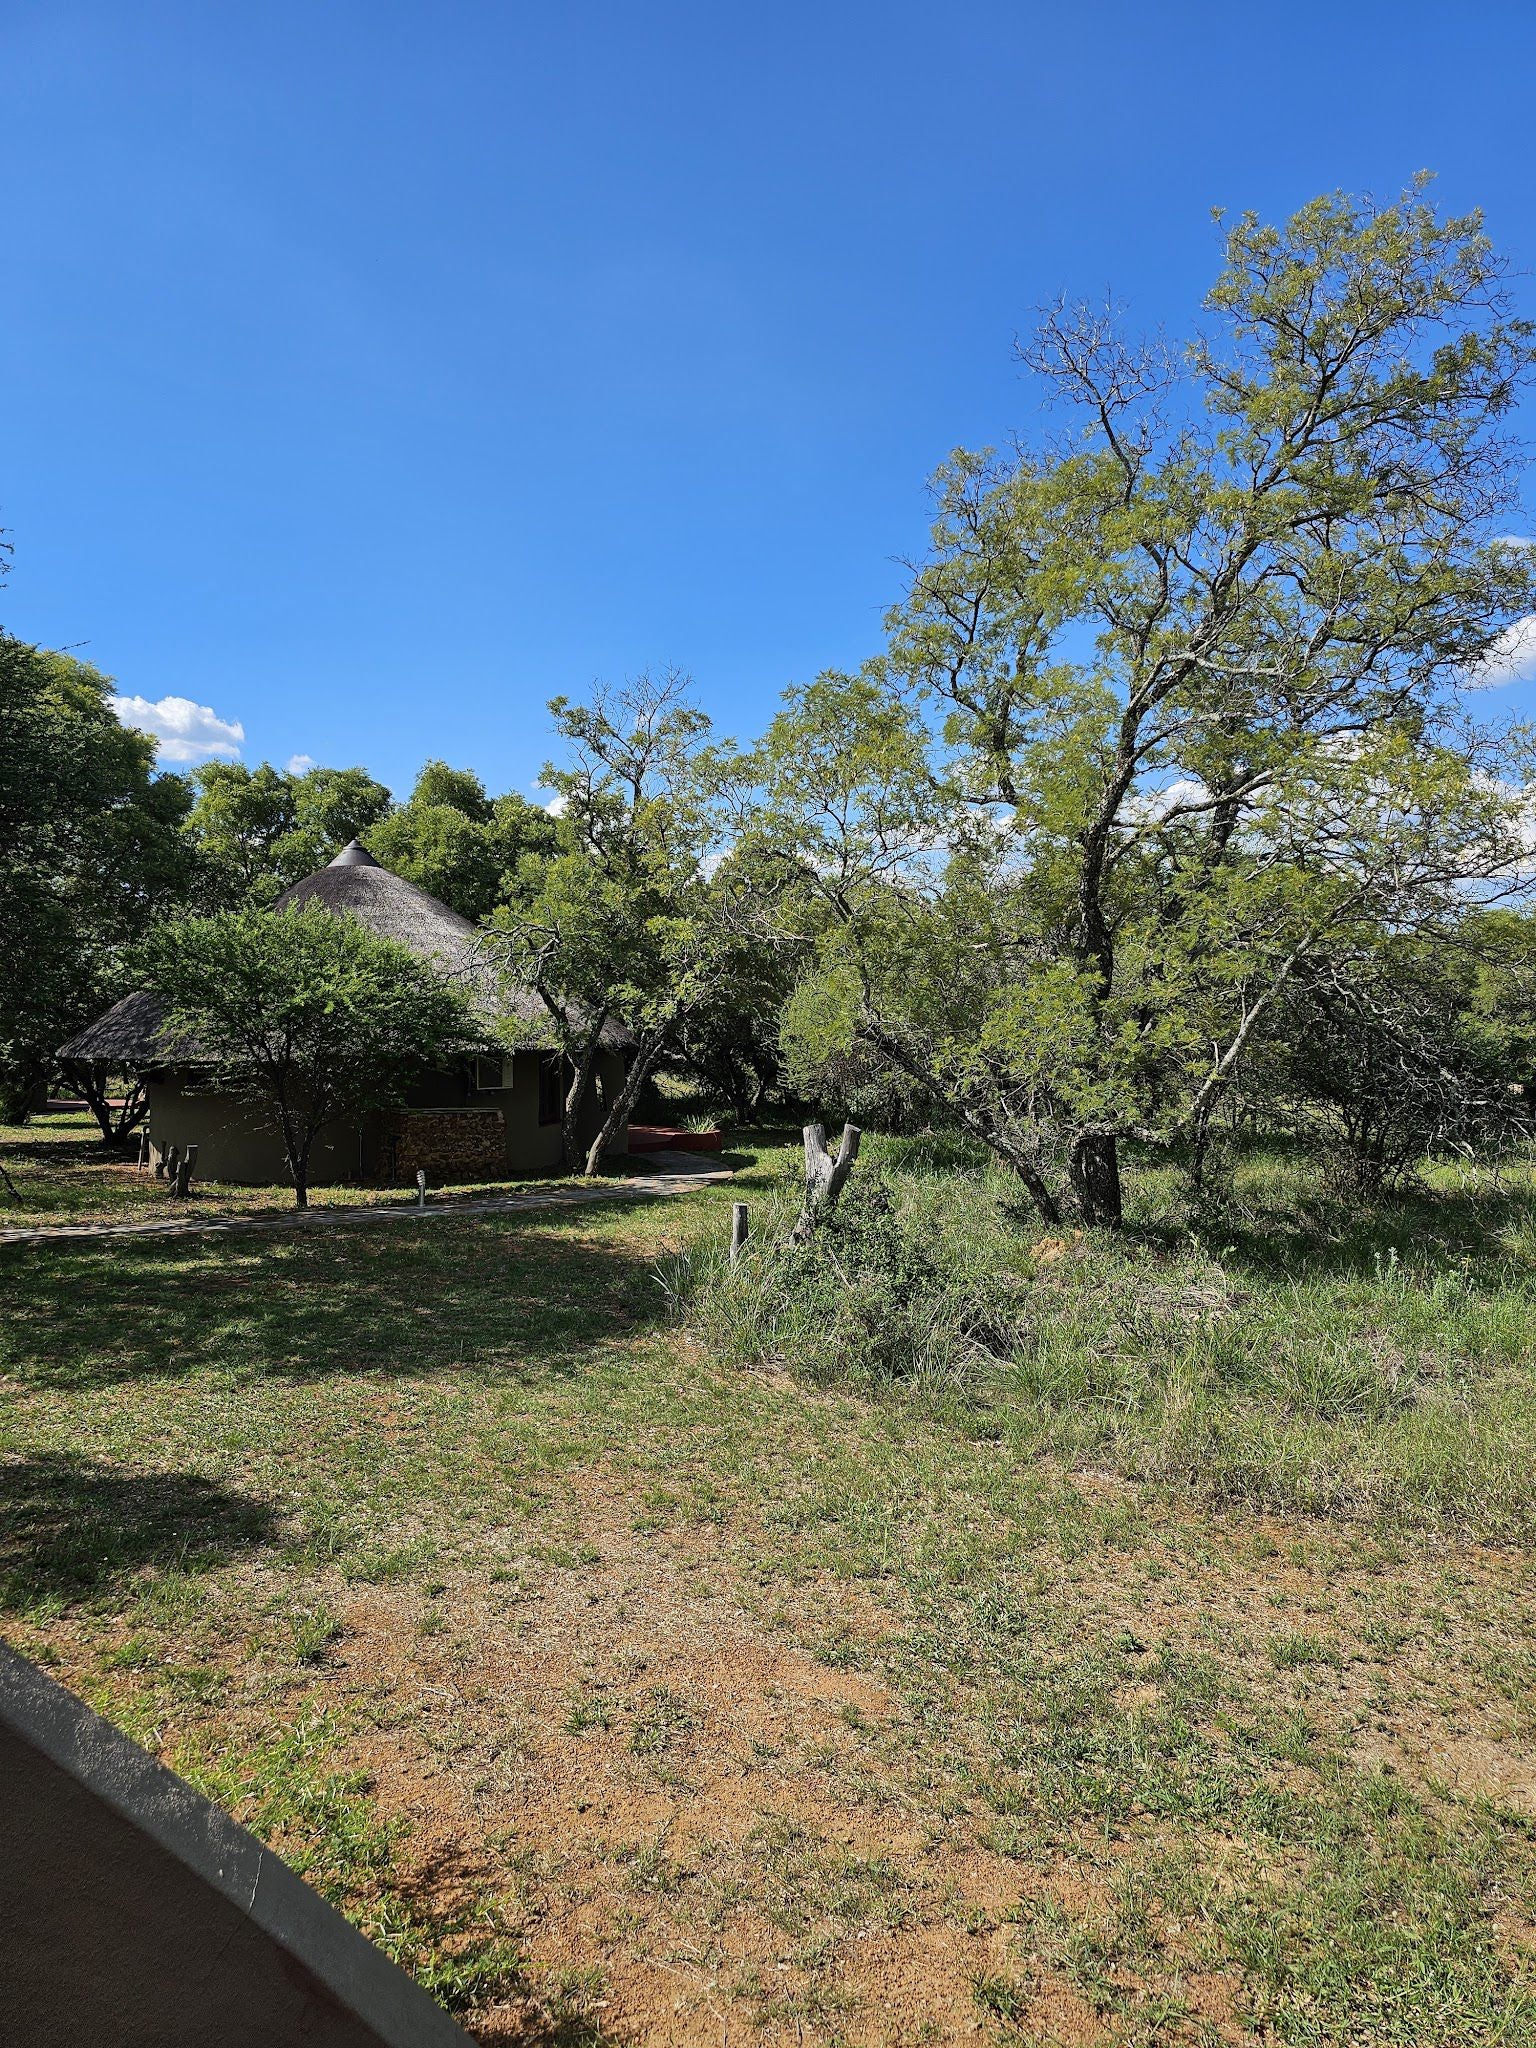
(354, 885)
(129, 1031)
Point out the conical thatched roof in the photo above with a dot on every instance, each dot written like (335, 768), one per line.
(354, 885)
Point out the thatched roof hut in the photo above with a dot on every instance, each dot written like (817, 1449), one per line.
(355, 885)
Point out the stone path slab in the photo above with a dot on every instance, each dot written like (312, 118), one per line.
(675, 1173)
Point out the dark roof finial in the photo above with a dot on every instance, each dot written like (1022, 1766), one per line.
(354, 855)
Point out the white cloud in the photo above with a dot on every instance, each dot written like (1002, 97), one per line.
(1150, 806)
(1511, 658)
(300, 764)
(184, 732)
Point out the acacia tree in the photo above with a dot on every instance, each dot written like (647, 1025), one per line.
(308, 1014)
(1172, 707)
(620, 930)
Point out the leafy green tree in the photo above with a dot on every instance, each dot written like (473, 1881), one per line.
(524, 834)
(1409, 1046)
(1172, 709)
(452, 840)
(729, 1048)
(332, 807)
(1499, 948)
(240, 820)
(624, 924)
(260, 830)
(441, 850)
(306, 1013)
(729, 1045)
(91, 850)
(457, 789)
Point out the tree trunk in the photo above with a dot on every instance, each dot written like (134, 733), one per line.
(1200, 1149)
(297, 1154)
(740, 1091)
(623, 1103)
(86, 1079)
(114, 1124)
(1094, 1170)
(1045, 1202)
(571, 1106)
(825, 1173)
(133, 1112)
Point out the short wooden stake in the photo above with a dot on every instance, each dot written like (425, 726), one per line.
(170, 1163)
(184, 1171)
(738, 1229)
(421, 1187)
(143, 1150)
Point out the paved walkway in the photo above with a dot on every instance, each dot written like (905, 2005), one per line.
(675, 1173)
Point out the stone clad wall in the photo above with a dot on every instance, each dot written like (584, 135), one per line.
(448, 1144)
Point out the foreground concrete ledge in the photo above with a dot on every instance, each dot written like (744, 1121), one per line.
(135, 1912)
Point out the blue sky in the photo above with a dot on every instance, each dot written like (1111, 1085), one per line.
(369, 373)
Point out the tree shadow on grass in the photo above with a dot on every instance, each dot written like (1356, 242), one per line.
(495, 1295)
(1415, 1229)
(1278, 1219)
(72, 1527)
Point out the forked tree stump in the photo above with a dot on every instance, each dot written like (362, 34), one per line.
(825, 1173)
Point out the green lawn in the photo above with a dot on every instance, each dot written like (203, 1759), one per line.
(1159, 1669)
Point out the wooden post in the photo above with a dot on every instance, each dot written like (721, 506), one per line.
(738, 1230)
(143, 1149)
(170, 1163)
(421, 1187)
(825, 1173)
(184, 1171)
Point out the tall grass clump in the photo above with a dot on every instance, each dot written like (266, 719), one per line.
(1379, 1363)
(892, 1289)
